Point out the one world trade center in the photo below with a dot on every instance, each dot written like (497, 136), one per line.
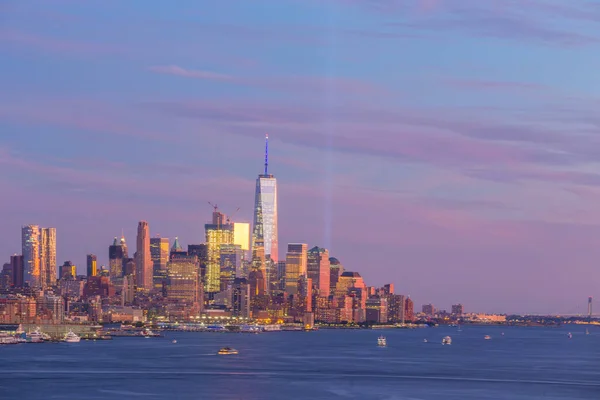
(264, 232)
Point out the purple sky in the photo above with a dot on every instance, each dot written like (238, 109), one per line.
(450, 147)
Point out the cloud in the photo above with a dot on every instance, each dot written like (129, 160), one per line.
(292, 84)
(56, 45)
(186, 73)
(494, 85)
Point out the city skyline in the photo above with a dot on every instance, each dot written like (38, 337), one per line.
(459, 175)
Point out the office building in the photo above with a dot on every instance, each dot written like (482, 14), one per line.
(319, 270)
(159, 252)
(231, 263)
(30, 240)
(92, 265)
(295, 266)
(117, 254)
(240, 295)
(409, 310)
(218, 233)
(17, 267)
(265, 211)
(183, 279)
(143, 259)
(68, 270)
(241, 235)
(335, 271)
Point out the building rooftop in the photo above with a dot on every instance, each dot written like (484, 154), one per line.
(351, 274)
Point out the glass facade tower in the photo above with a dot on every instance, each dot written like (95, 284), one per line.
(265, 212)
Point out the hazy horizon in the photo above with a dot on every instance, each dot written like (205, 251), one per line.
(448, 149)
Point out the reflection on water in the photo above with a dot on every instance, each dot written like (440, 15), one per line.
(524, 364)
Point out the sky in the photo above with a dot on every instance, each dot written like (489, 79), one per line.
(449, 147)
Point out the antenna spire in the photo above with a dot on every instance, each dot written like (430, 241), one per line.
(266, 154)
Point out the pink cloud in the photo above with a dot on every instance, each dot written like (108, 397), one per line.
(50, 44)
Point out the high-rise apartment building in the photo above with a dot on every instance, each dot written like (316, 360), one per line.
(318, 268)
(457, 310)
(295, 266)
(265, 211)
(30, 240)
(92, 265)
(143, 259)
(48, 256)
(428, 309)
(218, 233)
(159, 252)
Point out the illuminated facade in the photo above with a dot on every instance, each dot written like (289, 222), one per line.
(241, 235)
(48, 257)
(183, 279)
(159, 252)
(265, 212)
(30, 240)
(117, 254)
(319, 270)
(295, 266)
(143, 260)
(92, 265)
(217, 234)
(231, 263)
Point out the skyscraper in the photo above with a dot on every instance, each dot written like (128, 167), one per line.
(217, 234)
(48, 256)
(241, 235)
(265, 211)
(159, 251)
(16, 262)
(183, 279)
(143, 259)
(117, 254)
(92, 266)
(295, 266)
(318, 270)
(30, 240)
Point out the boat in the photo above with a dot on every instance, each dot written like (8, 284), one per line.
(502, 334)
(459, 329)
(487, 337)
(227, 350)
(381, 342)
(174, 341)
(425, 341)
(569, 335)
(447, 340)
(8, 339)
(36, 337)
(71, 337)
(147, 333)
(587, 332)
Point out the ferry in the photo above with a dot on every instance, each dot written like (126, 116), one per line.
(381, 342)
(8, 339)
(71, 337)
(569, 335)
(227, 350)
(447, 340)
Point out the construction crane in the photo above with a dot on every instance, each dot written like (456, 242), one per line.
(214, 206)
(229, 217)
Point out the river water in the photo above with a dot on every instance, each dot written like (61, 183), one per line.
(524, 364)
